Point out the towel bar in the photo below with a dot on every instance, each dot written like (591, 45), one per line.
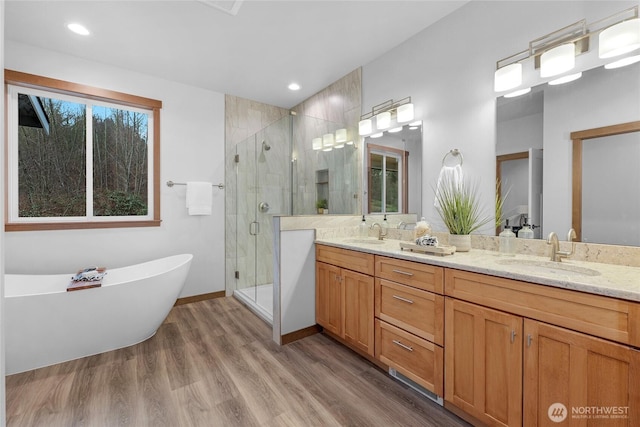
(171, 184)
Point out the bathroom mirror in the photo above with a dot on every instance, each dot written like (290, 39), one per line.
(606, 206)
(392, 171)
(545, 118)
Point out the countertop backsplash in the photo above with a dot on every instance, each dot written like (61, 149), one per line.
(590, 252)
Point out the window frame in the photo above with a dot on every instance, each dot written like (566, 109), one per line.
(89, 93)
(402, 157)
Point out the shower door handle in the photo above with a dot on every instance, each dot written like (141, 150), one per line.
(254, 228)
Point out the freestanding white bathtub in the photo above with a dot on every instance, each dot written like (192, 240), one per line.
(45, 324)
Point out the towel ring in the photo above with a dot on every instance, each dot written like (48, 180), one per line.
(455, 153)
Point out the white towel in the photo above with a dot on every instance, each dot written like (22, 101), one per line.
(451, 175)
(199, 198)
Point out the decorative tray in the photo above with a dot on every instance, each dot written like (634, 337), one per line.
(434, 250)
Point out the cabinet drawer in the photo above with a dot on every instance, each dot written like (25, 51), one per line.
(604, 317)
(411, 273)
(417, 359)
(352, 260)
(417, 311)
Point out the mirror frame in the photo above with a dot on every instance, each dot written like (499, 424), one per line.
(578, 137)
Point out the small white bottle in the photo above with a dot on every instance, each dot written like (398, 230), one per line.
(507, 241)
(363, 229)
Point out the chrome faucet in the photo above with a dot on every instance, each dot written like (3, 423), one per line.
(380, 233)
(556, 253)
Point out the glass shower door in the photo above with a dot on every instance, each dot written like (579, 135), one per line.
(263, 190)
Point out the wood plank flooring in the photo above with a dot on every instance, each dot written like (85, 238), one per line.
(212, 363)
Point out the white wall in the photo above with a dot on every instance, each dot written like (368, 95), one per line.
(192, 149)
(448, 69)
(600, 98)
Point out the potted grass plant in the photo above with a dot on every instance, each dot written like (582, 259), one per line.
(458, 205)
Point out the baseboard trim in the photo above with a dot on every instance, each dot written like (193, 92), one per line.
(298, 335)
(201, 297)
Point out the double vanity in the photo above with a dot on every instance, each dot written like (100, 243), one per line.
(506, 341)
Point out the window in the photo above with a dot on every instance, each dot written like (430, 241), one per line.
(386, 179)
(79, 157)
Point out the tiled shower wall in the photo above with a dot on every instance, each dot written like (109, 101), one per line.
(247, 123)
(337, 106)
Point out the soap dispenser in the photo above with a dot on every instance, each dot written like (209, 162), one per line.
(385, 226)
(525, 232)
(363, 230)
(507, 241)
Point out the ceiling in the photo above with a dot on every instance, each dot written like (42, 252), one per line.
(252, 49)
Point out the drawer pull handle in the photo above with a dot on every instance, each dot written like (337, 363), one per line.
(403, 299)
(406, 347)
(513, 336)
(403, 272)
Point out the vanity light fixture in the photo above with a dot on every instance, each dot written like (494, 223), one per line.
(328, 142)
(554, 54)
(405, 113)
(508, 77)
(365, 127)
(376, 135)
(341, 138)
(619, 39)
(78, 29)
(558, 60)
(395, 130)
(389, 114)
(383, 120)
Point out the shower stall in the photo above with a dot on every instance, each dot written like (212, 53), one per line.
(276, 171)
(262, 190)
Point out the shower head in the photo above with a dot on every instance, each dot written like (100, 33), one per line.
(265, 146)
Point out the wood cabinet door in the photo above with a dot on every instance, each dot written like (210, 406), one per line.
(329, 298)
(483, 362)
(584, 380)
(358, 310)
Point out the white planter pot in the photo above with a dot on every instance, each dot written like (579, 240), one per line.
(462, 242)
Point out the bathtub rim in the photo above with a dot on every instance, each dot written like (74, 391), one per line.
(184, 258)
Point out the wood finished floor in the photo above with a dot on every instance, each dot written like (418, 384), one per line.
(212, 363)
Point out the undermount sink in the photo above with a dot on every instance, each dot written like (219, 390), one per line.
(370, 241)
(533, 266)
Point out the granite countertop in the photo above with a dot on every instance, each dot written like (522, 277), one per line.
(596, 278)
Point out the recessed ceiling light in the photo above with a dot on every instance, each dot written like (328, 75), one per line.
(78, 29)
(294, 86)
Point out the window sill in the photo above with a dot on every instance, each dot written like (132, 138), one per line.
(79, 225)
